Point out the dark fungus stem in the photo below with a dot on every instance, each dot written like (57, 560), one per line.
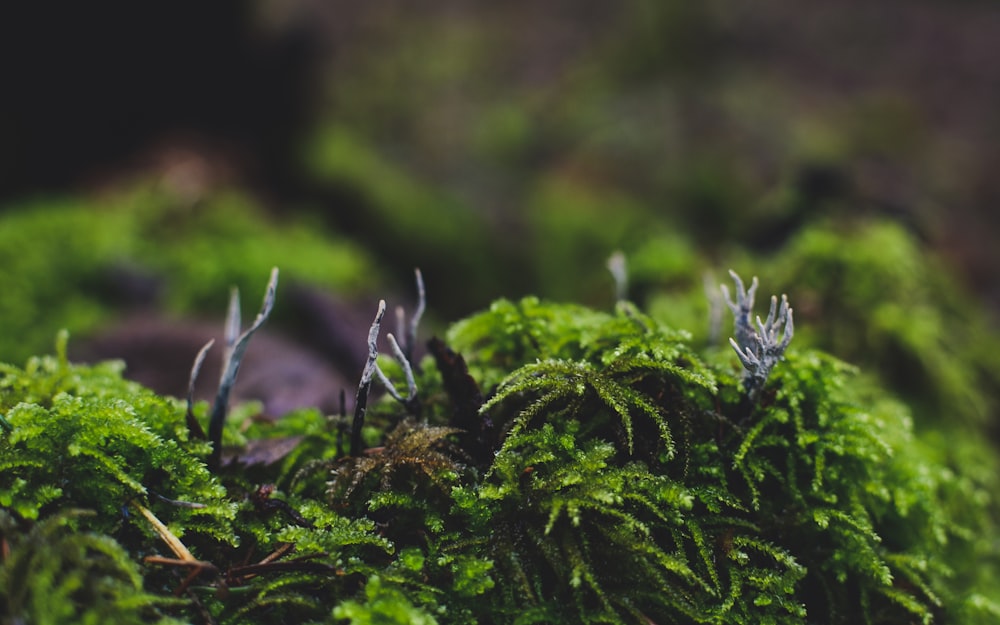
(365, 386)
(236, 345)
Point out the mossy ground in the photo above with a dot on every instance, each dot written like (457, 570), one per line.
(614, 474)
(564, 463)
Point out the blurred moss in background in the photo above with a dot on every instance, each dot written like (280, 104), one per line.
(528, 141)
(842, 151)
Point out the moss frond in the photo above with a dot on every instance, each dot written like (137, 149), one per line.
(612, 475)
(411, 452)
(53, 573)
(82, 436)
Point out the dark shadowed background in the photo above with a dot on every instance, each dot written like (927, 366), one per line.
(510, 148)
(729, 120)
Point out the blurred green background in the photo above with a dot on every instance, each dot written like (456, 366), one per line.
(843, 151)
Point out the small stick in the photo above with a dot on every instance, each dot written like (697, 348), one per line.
(184, 557)
(168, 537)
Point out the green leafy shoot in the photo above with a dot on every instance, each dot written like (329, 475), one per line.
(620, 366)
(413, 453)
(84, 437)
(51, 573)
(558, 505)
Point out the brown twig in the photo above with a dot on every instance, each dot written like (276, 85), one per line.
(184, 557)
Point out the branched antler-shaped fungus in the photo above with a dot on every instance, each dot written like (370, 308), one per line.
(404, 353)
(742, 308)
(759, 349)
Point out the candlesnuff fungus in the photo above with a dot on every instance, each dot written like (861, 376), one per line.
(236, 345)
(410, 401)
(607, 479)
(616, 264)
(403, 355)
(759, 350)
(741, 308)
(408, 332)
(365, 385)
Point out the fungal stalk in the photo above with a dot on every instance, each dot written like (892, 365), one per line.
(409, 332)
(235, 348)
(365, 386)
(618, 268)
(410, 401)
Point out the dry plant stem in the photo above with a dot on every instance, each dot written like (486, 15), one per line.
(242, 574)
(164, 532)
(282, 550)
(365, 386)
(238, 576)
(184, 557)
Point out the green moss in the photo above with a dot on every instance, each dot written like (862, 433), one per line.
(613, 474)
(393, 206)
(573, 232)
(870, 293)
(818, 502)
(68, 262)
(55, 575)
(84, 437)
(383, 606)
